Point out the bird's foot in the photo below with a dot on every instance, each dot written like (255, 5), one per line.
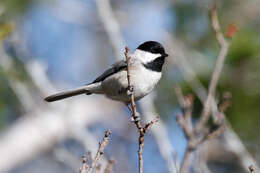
(136, 117)
(130, 90)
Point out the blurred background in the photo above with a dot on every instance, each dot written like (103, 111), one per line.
(51, 45)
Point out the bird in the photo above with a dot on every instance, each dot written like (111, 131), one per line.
(145, 70)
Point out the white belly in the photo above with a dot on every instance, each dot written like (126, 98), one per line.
(142, 79)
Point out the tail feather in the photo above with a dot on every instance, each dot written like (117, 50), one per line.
(66, 94)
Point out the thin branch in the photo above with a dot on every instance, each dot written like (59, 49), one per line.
(194, 139)
(84, 166)
(100, 151)
(184, 120)
(134, 112)
(111, 26)
(135, 115)
(186, 161)
(130, 92)
(98, 170)
(199, 161)
(251, 169)
(110, 166)
(148, 125)
(217, 70)
(201, 132)
(40, 117)
(179, 95)
(230, 138)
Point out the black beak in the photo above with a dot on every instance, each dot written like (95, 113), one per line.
(165, 55)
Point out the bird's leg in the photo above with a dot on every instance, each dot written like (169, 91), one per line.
(128, 105)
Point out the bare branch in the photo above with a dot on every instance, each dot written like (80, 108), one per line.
(184, 121)
(100, 151)
(148, 125)
(98, 169)
(135, 115)
(230, 137)
(194, 139)
(40, 116)
(217, 70)
(110, 166)
(201, 132)
(84, 166)
(179, 95)
(251, 169)
(130, 92)
(111, 26)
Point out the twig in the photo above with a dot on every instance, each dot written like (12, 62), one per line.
(130, 92)
(217, 70)
(184, 121)
(194, 139)
(251, 169)
(100, 151)
(84, 166)
(109, 166)
(135, 115)
(148, 125)
(111, 26)
(98, 170)
(230, 138)
(201, 133)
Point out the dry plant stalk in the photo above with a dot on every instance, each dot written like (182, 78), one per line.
(135, 115)
(200, 132)
(98, 169)
(251, 169)
(184, 120)
(84, 166)
(217, 70)
(110, 166)
(100, 151)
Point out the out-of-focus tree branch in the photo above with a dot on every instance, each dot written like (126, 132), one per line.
(100, 151)
(251, 169)
(109, 166)
(199, 161)
(232, 141)
(195, 139)
(181, 53)
(111, 26)
(84, 166)
(44, 125)
(19, 88)
(135, 115)
(207, 108)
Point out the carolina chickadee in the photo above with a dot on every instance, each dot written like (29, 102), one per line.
(145, 70)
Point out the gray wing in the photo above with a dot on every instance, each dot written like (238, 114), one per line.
(119, 66)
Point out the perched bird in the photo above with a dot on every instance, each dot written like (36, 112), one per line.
(145, 70)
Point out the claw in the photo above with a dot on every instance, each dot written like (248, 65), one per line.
(129, 91)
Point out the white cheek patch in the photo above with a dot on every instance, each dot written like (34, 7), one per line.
(144, 56)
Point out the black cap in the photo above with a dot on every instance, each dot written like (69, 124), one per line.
(153, 47)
